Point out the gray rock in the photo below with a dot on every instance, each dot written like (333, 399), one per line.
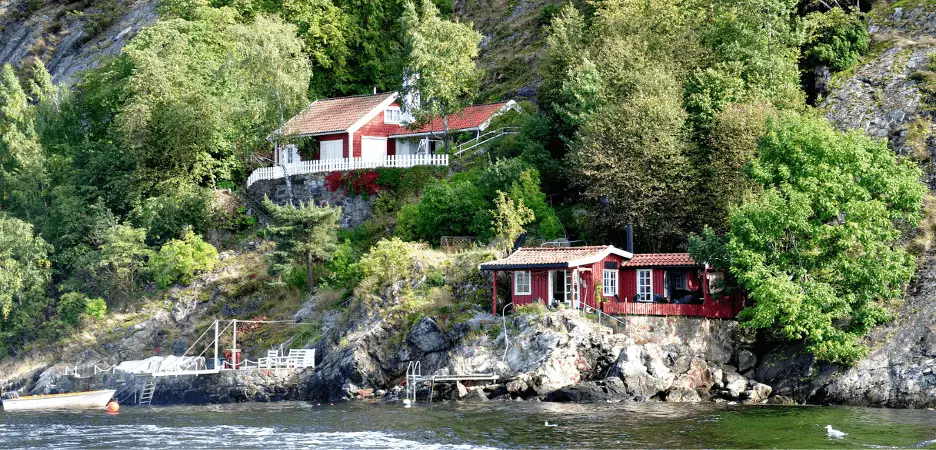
(427, 336)
(683, 395)
(610, 389)
(734, 383)
(746, 361)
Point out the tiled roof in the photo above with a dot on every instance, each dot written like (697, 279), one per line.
(660, 260)
(333, 114)
(470, 117)
(543, 257)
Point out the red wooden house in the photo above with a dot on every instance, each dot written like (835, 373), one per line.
(373, 127)
(614, 280)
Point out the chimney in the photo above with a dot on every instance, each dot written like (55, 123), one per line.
(629, 245)
(375, 90)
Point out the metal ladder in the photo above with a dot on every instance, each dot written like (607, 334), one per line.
(149, 388)
(413, 377)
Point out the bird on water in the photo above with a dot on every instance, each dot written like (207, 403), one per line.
(833, 433)
(547, 424)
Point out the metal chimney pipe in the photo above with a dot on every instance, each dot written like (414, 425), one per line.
(629, 245)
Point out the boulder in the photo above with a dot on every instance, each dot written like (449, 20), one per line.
(734, 383)
(427, 336)
(746, 361)
(461, 389)
(683, 395)
(758, 392)
(608, 390)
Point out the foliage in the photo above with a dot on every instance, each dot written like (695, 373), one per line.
(121, 262)
(24, 276)
(168, 215)
(23, 168)
(180, 259)
(454, 207)
(439, 64)
(343, 268)
(818, 249)
(387, 263)
(307, 233)
(509, 218)
(73, 306)
(836, 39)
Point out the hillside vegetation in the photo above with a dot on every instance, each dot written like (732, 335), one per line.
(685, 119)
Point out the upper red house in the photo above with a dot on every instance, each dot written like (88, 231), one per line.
(625, 283)
(372, 127)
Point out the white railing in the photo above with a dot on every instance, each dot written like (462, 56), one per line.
(345, 164)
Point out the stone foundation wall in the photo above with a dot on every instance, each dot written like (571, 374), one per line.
(311, 188)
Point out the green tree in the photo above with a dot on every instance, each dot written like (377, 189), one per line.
(180, 259)
(836, 39)
(509, 219)
(120, 263)
(25, 272)
(23, 173)
(818, 250)
(308, 232)
(439, 64)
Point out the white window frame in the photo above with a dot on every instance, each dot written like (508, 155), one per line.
(649, 285)
(609, 282)
(393, 115)
(529, 282)
(684, 286)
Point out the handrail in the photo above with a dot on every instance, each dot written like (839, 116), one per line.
(602, 313)
(487, 137)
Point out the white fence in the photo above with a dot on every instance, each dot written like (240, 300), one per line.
(333, 165)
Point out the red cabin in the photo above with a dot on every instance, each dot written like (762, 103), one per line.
(614, 280)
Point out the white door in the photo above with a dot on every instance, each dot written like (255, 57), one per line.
(373, 148)
(331, 149)
(288, 154)
(645, 285)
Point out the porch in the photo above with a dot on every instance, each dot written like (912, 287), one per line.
(344, 164)
(724, 309)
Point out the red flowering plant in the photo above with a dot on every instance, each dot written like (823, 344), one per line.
(334, 181)
(355, 182)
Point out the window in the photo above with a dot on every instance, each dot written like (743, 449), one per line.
(609, 282)
(392, 115)
(678, 280)
(522, 283)
(644, 286)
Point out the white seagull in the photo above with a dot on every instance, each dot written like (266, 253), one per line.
(833, 433)
(547, 424)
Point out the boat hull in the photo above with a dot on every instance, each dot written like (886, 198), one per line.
(78, 400)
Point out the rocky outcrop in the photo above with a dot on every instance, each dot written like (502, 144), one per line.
(355, 209)
(63, 39)
(882, 99)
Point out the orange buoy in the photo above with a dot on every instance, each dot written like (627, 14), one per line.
(113, 407)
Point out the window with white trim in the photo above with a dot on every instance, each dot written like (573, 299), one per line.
(609, 283)
(392, 115)
(644, 285)
(522, 283)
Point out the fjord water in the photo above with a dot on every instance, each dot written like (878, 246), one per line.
(492, 425)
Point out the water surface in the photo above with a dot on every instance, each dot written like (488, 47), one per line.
(492, 425)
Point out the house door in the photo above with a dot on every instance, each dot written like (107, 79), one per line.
(645, 285)
(331, 149)
(575, 285)
(373, 148)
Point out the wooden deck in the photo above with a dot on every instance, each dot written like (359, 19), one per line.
(726, 309)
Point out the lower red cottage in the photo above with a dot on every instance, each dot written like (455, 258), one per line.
(614, 280)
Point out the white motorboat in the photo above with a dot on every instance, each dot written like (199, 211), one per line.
(74, 400)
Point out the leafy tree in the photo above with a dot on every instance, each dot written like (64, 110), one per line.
(23, 176)
(642, 138)
(439, 64)
(24, 276)
(818, 249)
(307, 232)
(509, 219)
(73, 306)
(180, 259)
(836, 39)
(120, 263)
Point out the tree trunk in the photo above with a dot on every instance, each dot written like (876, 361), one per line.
(310, 278)
(445, 129)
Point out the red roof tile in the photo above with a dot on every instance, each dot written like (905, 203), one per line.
(530, 257)
(660, 260)
(333, 114)
(470, 117)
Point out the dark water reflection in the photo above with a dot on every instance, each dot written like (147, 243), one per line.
(495, 424)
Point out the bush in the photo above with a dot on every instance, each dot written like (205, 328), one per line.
(836, 39)
(179, 260)
(167, 216)
(96, 308)
(387, 263)
(73, 306)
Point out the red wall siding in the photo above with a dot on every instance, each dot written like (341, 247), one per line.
(376, 128)
(335, 137)
(658, 281)
(539, 288)
(628, 284)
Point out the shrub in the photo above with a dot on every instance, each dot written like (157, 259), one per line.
(169, 215)
(836, 39)
(387, 263)
(72, 306)
(180, 260)
(96, 308)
